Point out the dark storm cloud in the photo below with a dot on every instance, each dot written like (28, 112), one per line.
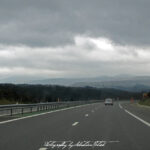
(41, 23)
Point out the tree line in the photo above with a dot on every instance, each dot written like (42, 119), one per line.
(24, 93)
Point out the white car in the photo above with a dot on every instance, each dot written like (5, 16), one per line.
(108, 101)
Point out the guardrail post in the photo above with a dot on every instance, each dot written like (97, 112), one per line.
(11, 112)
(37, 108)
(22, 111)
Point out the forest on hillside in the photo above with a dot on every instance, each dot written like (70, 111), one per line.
(24, 93)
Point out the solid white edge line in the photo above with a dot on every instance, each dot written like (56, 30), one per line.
(138, 118)
(75, 123)
(7, 121)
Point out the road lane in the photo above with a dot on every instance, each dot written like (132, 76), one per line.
(108, 123)
(30, 133)
(113, 124)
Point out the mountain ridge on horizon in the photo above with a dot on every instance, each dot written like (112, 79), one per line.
(124, 82)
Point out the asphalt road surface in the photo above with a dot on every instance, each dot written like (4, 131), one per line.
(118, 127)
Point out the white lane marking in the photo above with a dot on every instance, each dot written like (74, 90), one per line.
(92, 111)
(120, 106)
(86, 115)
(43, 149)
(75, 123)
(7, 121)
(138, 118)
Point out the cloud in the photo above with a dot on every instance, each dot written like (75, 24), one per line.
(45, 23)
(74, 38)
(103, 56)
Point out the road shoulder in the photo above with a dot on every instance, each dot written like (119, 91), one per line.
(142, 112)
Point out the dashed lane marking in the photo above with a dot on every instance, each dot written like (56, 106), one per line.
(43, 149)
(86, 115)
(75, 123)
(120, 106)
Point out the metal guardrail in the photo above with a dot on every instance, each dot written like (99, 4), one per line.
(14, 109)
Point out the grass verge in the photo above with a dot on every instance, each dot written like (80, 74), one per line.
(145, 102)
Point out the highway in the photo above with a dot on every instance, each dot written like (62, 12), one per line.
(119, 127)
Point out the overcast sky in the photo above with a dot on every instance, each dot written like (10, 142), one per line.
(74, 38)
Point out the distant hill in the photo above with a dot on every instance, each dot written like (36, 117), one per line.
(122, 82)
(128, 83)
(73, 81)
(126, 86)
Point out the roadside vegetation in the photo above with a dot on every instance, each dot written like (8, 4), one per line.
(6, 102)
(11, 93)
(145, 100)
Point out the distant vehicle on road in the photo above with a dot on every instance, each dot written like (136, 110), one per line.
(108, 101)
